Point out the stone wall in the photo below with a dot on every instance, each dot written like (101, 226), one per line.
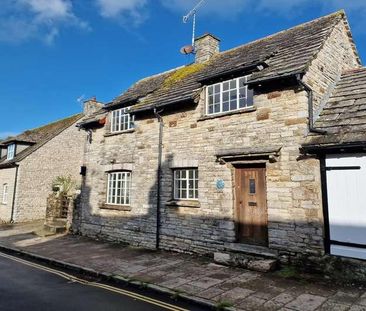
(7, 176)
(279, 118)
(336, 56)
(62, 155)
(293, 185)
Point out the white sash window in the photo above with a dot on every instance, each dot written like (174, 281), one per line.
(121, 120)
(119, 185)
(228, 96)
(11, 152)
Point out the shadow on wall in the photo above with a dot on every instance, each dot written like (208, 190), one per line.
(185, 228)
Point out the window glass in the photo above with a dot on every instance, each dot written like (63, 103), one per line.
(121, 120)
(119, 184)
(11, 152)
(251, 186)
(5, 194)
(229, 96)
(186, 184)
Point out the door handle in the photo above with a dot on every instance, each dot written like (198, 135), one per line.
(252, 203)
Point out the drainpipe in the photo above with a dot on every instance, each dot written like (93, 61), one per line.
(14, 194)
(309, 91)
(160, 154)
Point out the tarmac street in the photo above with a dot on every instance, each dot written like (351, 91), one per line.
(27, 286)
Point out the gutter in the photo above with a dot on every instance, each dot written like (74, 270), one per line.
(309, 91)
(14, 194)
(160, 154)
(335, 148)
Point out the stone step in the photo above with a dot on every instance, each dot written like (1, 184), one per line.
(246, 261)
(55, 228)
(56, 222)
(252, 250)
(43, 233)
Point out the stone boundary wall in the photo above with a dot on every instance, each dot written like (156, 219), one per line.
(61, 156)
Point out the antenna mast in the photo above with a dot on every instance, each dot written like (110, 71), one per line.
(189, 15)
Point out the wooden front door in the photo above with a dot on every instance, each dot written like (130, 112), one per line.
(251, 205)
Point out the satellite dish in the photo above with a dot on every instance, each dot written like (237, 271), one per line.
(187, 49)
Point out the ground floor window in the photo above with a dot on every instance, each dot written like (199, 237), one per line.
(5, 194)
(119, 185)
(186, 184)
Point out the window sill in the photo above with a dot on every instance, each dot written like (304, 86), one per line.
(229, 113)
(126, 208)
(184, 203)
(118, 133)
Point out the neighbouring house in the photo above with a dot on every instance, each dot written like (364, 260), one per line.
(30, 162)
(341, 149)
(209, 158)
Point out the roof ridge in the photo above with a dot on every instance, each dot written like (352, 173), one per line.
(51, 123)
(34, 130)
(340, 13)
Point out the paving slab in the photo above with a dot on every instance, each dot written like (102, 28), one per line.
(306, 302)
(191, 275)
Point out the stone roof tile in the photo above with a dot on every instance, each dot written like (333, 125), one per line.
(344, 116)
(287, 52)
(37, 137)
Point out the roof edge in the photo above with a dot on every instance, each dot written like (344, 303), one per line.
(42, 143)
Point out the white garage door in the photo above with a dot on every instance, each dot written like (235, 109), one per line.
(346, 189)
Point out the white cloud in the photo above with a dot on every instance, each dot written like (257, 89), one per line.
(132, 12)
(21, 20)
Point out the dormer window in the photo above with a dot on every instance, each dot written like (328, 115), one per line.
(121, 121)
(11, 152)
(228, 96)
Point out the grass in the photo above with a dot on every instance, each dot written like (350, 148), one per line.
(223, 305)
(288, 272)
(176, 295)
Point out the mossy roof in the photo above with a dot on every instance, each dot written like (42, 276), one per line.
(284, 53)
(37, 137)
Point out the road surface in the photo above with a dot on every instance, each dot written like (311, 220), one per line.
(28, 286)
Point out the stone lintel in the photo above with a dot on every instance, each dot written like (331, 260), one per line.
(118, 167)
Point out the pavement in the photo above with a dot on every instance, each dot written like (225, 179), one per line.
(189, 277)
(27, 286)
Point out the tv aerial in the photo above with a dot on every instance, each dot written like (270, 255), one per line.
(189, 49)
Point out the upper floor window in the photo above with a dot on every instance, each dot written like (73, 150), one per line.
(11, 152)
(5, 194)
(119, 185)
(121, 121)
(228, 96)
(186, 184)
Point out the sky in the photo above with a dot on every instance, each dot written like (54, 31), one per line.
(56, 53)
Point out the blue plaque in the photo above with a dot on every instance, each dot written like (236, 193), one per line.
(220, 184)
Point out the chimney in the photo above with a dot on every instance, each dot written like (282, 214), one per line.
(205, 47)
(91, 106)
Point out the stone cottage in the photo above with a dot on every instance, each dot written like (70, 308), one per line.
(340, 146)
(29, 163)
(208, 158)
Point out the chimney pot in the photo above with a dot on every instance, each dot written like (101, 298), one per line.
(206, 46)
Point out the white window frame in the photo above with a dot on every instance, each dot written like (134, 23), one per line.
(237, 88)
(119, 188)
(5, 194)
(121, 120)
(10, 152)
(191, 184)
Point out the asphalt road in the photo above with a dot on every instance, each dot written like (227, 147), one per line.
(30, 287)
